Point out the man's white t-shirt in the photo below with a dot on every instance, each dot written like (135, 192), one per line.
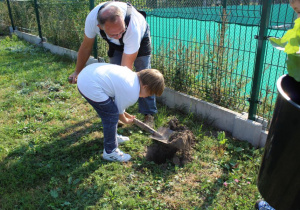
(99, 81)
(134, 33)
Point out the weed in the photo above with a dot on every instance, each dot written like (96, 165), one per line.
(221, 137)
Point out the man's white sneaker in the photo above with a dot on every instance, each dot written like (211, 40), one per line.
(121, 139)
(116, 155)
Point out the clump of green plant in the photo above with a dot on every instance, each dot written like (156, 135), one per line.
(179, 64)
(24, 16)
(63, 25)
(4, 19)
(222, 138)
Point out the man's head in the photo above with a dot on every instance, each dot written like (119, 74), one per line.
(295, 4)
(111, 20)
(151, 82)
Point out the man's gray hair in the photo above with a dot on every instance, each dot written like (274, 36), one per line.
(108, 13)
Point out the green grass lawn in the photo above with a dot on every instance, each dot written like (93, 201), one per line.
(51, 143)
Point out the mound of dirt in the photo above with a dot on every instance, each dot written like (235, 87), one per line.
(178, 149)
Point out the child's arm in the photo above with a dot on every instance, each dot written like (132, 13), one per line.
(126, 118)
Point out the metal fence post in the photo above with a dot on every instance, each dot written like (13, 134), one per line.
(224, 4)
(38, 19)
(95, 53)
(10, 15)
(260, 55)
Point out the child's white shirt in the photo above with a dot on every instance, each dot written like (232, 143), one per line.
(99, 81)
(134, 33)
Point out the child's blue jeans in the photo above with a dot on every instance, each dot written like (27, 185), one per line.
(109, 114)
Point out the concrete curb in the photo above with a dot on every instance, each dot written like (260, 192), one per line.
(225, 119)
(222, 118)
(53, 48)
(28, 37)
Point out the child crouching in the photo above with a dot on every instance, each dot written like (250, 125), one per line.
(110, 89)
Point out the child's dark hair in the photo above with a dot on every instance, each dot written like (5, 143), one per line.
(153, 79)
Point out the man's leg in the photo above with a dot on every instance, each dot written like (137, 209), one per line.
(117, 58)
(146, 105)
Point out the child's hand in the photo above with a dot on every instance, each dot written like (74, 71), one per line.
(129, 117)
(129, 120)
(126, 118)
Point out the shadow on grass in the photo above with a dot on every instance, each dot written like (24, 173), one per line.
(50, 175)
(47, 167)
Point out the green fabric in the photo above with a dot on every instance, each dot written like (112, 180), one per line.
(248, 15)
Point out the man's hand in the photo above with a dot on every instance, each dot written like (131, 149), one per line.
(84, 53)
(73, 78)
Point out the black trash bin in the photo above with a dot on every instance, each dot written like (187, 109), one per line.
(279, 174)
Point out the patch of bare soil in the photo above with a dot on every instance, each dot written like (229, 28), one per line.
(178, 149)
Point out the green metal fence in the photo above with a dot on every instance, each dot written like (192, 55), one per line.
(215, 50)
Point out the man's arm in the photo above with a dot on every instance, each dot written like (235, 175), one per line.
(128, 59)
(84, 53)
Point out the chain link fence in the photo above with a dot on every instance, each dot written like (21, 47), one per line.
(4, 19)
(215, 50)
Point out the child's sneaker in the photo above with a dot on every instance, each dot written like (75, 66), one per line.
(116, 155)
(121, 139)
